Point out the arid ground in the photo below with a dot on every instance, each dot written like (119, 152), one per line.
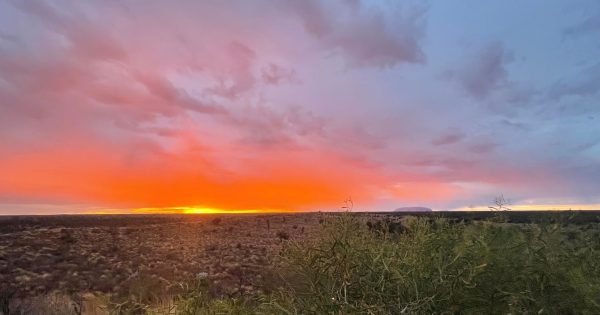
(110, 254)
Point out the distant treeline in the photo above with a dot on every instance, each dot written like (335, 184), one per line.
(512, 216)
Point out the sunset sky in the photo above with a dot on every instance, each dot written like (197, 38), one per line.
(113, 106)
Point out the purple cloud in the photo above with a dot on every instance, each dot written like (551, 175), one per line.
(485, 71)
(365, 34)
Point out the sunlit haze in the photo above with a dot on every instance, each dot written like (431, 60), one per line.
(251, 106)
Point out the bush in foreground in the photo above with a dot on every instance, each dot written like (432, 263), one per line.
(440, 267)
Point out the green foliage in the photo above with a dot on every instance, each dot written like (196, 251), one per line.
(440, 267)
(146, 295)
(52, 304)
(197, 300)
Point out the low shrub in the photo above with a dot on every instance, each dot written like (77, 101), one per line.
(441, 267)
(283, 235)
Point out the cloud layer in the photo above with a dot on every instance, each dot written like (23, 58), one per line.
(294, 105)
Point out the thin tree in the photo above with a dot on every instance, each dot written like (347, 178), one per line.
(501, 204)
(348, 204)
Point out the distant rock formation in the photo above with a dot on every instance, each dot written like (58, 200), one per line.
(413, 209)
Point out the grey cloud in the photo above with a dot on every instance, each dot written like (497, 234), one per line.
(483, 147)
(586, 145)
(365, 36)
(449, 138)
(274, 74)
(7, 37)
(590, 25)
(515, 124)
(585, 83)
(485, 71)
(163, 89)
(86, 38)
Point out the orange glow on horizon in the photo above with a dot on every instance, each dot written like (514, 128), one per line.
(203, 210)
(188, 210)
(283, 181)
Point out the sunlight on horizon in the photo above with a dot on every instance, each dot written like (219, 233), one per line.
(208, 210)
(205, 210)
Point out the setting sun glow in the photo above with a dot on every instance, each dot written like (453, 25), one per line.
(201, 210)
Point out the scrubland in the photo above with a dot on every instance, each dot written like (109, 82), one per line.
(303, 264)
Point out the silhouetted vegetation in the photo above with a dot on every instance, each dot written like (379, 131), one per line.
(283, 235)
